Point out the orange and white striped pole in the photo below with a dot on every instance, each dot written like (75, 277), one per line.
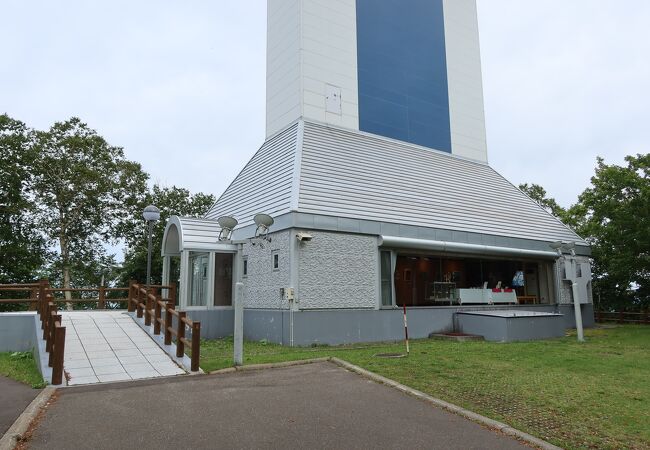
(406, 331)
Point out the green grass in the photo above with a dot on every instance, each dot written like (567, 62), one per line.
(21, 366)
(591, 395)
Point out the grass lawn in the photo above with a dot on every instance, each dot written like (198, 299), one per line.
(21, 366)
(591, 395)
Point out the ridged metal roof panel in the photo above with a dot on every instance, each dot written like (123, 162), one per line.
(357, 175)
(264, 185)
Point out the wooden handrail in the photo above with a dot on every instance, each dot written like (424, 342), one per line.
(623, 317)
(147, 302)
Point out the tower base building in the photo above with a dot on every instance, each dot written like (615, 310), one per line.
(376, 175)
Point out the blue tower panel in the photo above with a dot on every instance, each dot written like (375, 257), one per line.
(402, 64)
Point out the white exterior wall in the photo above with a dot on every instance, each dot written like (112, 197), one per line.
(338, 270)
(262, 284)
(466, 107)
(283, 102)
(329, 56)
(311, 44)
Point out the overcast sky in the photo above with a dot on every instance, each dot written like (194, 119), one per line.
(181, 85)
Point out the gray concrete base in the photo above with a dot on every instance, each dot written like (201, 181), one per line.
(511, 328)
(335, 327)
(17, 331)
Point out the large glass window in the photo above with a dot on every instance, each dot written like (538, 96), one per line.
(438, 280)
(386, 279)
(402, 71)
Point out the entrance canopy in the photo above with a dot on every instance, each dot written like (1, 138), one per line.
(185, 233)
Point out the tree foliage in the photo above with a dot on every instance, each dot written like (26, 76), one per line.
(539, 195)
(22, 247)
(171, 201)
(613, 215)
(83, 186)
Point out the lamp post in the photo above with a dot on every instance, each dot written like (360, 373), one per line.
(151, 214)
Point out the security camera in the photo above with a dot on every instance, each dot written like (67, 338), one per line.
(304, 237)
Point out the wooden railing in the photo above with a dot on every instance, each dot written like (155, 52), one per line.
(102, 299)
(54, 336)
(53, 332)
(148, 303)
(623, 317)
(35, 291)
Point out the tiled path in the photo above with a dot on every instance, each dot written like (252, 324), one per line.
(108, 346)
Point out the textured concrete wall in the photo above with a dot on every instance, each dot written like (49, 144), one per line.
(262, 284)
(17, 332)
(338, 270)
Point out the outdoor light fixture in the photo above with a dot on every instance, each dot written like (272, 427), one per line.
(151, 214)
(304, 237)
(557, 246)
(227, 224)
(263, 222)
(572, 276)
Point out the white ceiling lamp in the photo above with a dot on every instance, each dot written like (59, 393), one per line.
(227, 224)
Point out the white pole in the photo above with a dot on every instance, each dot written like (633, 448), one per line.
(239, 325)
(576, 300)
(406, 331)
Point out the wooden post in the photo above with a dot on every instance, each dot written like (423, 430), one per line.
(621, 317)
(138, 306)
(33, 295)
(168, 323)
(42, 306)
(647, 317)
(157, 315)
(148, 305)
(59, 350)
(47, 322)
(599, 316)
(196, 345)
(52, 343)
(172, 293)
(101, 304)
(131, 305)
(180, 345)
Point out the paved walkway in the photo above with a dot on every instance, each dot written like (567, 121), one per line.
(315, 406)
(103, 346)
(14, 398)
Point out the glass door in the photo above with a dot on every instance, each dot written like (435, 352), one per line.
(199, 279)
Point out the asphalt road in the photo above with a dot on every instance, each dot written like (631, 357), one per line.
(14, 398)
(315, 406)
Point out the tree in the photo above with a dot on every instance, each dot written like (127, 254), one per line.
(83, 187)
(21, 246)
(614, 215)
(171, 201)
(538, 194)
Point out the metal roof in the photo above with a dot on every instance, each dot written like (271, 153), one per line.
(318, 169)
(187, 233)
(265, 184)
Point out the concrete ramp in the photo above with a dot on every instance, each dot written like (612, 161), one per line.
(106, 346)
